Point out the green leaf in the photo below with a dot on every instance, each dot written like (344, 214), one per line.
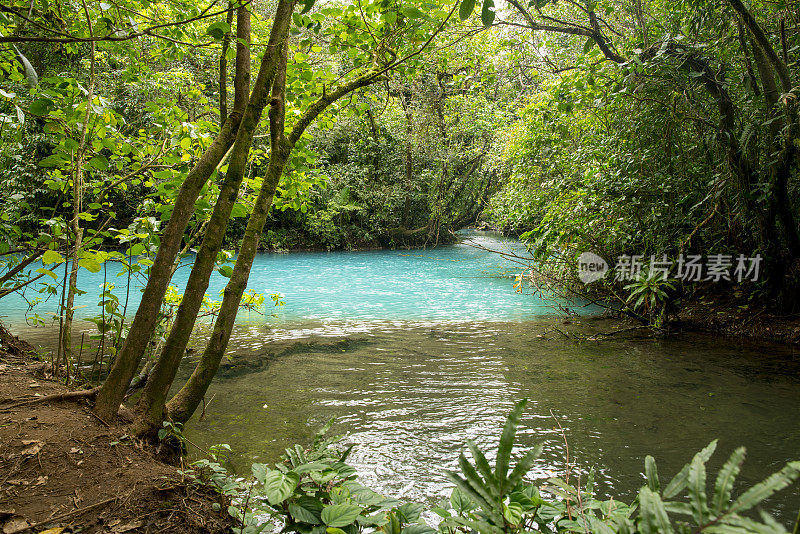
(90, 264)
(304, 515)
(410, 512)
(523, 466)
(279, 486)
(483, 465)
(460, 502)
(225, 270)
(418, 529)
(218, 29)
(679, 481)
(51, 256)
(651, 472)
(507, 439)
(99, 162)
(48, 272)
(468, 490)
(697, 489)
(587, 47)
(487, 12)
(653, 515)
(466, 9)
(54, 160)
(340, 515)
(311, 466)
(725, 479)
(764, 489)
(41, 106)
(412, 13)
(307, 5)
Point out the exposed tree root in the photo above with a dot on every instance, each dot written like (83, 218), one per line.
(59, 397)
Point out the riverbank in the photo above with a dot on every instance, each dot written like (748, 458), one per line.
(63, 467)
(728, 315)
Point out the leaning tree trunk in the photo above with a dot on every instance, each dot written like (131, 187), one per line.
(113, 390)
(151, 404)
(185, 402)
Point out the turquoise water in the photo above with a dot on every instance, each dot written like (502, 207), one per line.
(454, 283)
(413, 352)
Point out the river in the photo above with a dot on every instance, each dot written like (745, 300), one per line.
(413, 352)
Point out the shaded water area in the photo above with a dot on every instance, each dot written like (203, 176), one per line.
(413, 352)
(408, 394)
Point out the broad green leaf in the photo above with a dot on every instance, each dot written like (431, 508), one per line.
(523, 466)
(99, 162)
(487, 12)
(478, 486)
(460, 502)
(307, 5)
(412, 13)
(51, 256)
(48, 272)
(466, 8)
(340, 515)
(311, 466)
(41, 106)
(218, 29)
(304, 515)
(479, 498)
(483, 465)
(279, 486)
(410, 512)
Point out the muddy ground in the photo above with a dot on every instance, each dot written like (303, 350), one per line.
(62, 468)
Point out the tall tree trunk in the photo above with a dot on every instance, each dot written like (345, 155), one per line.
(113, 390)
(151, 404)
(185, 402)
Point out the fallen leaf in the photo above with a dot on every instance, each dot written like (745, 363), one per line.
(57, 530)
(15, 524)
(33, 448)
(127, 527)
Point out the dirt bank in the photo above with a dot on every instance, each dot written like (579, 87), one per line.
(732, 316)
(61, 467)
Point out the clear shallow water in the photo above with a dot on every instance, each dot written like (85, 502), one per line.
(409, 395)
(414, 352)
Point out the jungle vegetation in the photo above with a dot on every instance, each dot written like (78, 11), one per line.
(140, 132)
